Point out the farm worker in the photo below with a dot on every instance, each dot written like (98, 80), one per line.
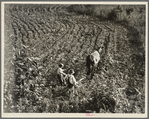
(92, 60)
(71, 80)
(61, 75)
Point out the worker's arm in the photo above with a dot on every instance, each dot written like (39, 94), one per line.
(61, 71)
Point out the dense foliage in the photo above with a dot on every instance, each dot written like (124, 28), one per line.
(44, 35)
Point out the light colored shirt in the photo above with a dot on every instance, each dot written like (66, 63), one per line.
(60, 71)
(95, 57)
(72, 80)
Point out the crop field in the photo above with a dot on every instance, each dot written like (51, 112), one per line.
(40, 36)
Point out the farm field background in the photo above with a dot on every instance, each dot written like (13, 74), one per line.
(38, 37)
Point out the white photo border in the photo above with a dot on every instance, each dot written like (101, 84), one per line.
(72, 115)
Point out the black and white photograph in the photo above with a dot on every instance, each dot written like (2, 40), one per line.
(74, 59)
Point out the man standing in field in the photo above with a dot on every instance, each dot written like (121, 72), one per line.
(61, 75)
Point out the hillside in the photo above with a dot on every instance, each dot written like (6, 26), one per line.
(43, 35)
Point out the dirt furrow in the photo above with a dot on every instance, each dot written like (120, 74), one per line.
(60, 8)
(38, 28)
(57, 42)
(52, 8)
(35, 29)
(23, 23)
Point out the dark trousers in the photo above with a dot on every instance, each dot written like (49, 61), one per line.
(60, 80)
(70, 85)
(89, 65)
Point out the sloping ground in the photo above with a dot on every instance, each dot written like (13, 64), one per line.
(50, 34)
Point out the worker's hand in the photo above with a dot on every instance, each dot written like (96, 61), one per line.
(76, 83)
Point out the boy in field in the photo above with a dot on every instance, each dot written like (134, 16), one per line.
(61, 75)
(71, 80)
